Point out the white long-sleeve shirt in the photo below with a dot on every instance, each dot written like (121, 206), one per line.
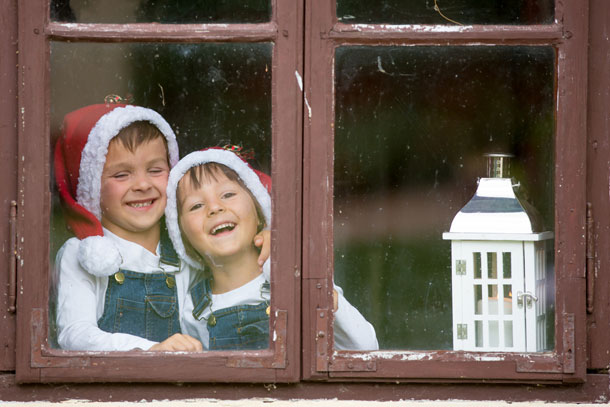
(352, 331)
(80, 297)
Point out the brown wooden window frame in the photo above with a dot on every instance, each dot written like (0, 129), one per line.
(36, 360)
(568, 361)
(302, 137)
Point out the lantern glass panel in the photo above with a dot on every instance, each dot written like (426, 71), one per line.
(494, 334)
(477, 264)
(492, 265)
(411, 127)
(492, 298)
(478, 299)
(478, 329)
(508, 300)
(506, 265)
(508, 334)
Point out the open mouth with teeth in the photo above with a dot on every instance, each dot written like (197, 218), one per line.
(223, 227)
(141, 204)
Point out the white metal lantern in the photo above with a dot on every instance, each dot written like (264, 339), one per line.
(498, 269)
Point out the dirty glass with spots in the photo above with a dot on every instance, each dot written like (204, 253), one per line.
(412, 127)
(212, 94)
(449, 12)
(161, 11)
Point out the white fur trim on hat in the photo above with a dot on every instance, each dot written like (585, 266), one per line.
(99, 256)
(243, 170)
(94, 153)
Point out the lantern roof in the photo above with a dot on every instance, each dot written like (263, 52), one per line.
(495, 212)
(494, 208)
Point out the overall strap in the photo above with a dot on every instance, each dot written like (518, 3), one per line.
(201, 294)
(167, 252)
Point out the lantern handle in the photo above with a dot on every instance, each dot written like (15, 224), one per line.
(528, 298)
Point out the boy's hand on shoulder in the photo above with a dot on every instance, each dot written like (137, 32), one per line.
(263, 240)
(178, 342)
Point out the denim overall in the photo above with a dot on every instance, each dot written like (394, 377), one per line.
(144, 305)
(234, 328)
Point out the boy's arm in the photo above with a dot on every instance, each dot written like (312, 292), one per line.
(77, 308)
(352, 331)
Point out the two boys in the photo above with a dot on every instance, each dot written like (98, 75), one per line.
(120, 285)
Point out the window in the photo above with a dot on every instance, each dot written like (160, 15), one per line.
(402, 117)
(217, 77)
(374, 127)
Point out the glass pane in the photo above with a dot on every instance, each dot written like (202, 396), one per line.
(477, 264)
(508, 300)
(478, 329)
(506, 265)
(209, 94)
(492, 265)
(161, 11)
(492, 297)
(412, 125)
(508, 334)
(446, 11)
(494, 334)
(478, 299)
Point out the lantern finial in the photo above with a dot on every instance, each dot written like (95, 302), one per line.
(498, 165)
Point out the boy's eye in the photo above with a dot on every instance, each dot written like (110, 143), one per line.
(229, 194)
(156, 170)
(120, 175)
(196, 206)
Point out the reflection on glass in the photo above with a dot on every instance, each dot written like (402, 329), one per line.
(446, 11)
(161, 11)
(492, 296)
(508, 334)
(412, 125)
(477, 264)
(210, 94)
(506, 264)
(494, 334)
(508, 300)
(492, 265)
(478, 299)
(478, 328)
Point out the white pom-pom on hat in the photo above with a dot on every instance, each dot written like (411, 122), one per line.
(99, 256)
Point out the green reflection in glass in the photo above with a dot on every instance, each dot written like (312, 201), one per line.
(476, 261)
(506, 265)
(492, 265)
(161, 11)
(446, 11)
(412, 125)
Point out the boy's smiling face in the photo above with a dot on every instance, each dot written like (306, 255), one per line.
(132, 195)
(219, 218)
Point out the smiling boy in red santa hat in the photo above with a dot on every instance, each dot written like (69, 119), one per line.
(119, 284)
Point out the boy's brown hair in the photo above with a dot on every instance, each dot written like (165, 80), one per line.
(138, 133)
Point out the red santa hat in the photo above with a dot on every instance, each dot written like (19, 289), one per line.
(257, 182)
(80, 154)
